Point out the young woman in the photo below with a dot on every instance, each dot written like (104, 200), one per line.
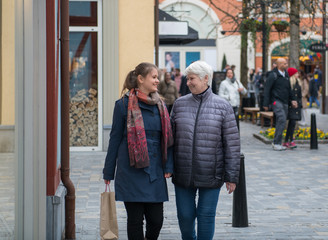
(139, 152)
(294, 114)
(230, 89)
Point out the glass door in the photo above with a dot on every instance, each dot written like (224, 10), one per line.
(85, 75)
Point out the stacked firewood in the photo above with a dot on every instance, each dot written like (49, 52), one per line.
(84, 118)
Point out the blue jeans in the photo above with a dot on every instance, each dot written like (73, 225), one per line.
(188, 210)
(313, 99)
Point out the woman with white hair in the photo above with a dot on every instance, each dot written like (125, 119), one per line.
(206, 150)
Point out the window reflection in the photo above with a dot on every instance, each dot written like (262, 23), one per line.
(83, 89)
(83, 13)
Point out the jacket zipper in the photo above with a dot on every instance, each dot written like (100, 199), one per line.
(193, 143)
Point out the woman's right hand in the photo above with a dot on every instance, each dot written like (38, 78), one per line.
(107, 181)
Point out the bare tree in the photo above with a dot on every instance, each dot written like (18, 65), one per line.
(294, 47)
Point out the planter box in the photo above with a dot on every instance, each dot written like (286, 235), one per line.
(300, 142)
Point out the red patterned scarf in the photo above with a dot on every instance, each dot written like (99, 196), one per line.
(137, 142)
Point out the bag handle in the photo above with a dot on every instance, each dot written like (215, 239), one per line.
(107, 185)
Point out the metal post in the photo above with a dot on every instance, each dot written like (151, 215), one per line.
(239, 208)
(264, 38)
(314, 139)
(324, 70)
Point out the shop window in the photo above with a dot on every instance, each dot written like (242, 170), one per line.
(82, 13)
(192, 57)
(85, 75)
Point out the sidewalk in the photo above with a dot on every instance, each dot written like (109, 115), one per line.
(321, 119)
(287, 194)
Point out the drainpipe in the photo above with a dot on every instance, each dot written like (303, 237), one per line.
(156, 15)
(70, 197)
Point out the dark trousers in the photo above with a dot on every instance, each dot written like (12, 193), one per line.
(280, 111)
(290, 130)
(153, 213)
(236, 111)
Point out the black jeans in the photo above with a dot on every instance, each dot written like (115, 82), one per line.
(290, 130)
(153, 213)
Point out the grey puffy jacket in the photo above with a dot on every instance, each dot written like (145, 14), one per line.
(207, 144)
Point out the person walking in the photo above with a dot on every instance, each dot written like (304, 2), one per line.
(230, 89)
(177, 78)
(277, 91)
(140, 152)
(168, 89)
(251, 82)
(207, 153)
(294, 114)
(257, 79)
(313, 92)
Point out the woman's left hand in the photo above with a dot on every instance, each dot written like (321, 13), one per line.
(230, 187)
(167, 175)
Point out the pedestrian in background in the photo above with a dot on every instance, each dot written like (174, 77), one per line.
(207, 153)
(257, 79)
(177, 78)
(251, 82)
(168, 90)
(294, 114)
(277, 92)
(313, 91)
(230, 89)
(139, 152)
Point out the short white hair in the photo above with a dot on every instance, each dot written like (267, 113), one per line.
(201, 69)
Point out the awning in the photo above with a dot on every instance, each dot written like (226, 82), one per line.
(173, 31)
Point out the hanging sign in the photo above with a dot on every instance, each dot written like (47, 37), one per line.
(318, 47)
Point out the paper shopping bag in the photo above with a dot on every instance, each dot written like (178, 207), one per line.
(108, 217)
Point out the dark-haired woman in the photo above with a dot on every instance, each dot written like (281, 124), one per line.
(139, 150)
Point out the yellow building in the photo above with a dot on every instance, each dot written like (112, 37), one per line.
(123, 41)
(7, 75)
(119, 36)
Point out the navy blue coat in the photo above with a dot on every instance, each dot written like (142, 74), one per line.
(132, 184)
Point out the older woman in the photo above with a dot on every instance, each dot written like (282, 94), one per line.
(207, 152)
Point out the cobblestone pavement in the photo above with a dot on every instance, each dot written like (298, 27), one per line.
(287, 194)
(7, 196)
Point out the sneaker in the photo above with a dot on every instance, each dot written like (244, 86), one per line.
(278, 147)
(286, 144)
(292, 145)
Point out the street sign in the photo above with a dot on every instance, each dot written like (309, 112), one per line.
(318, 47)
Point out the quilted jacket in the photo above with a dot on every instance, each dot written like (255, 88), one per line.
(207, 143)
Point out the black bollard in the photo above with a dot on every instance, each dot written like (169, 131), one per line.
(239, 208)
(314, 139)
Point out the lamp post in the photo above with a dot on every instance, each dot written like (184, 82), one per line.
(264, 38)
(324, 67)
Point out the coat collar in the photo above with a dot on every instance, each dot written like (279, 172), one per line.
(203, 96)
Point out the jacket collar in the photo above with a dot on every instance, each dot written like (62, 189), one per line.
(204, 95)
(279, 74)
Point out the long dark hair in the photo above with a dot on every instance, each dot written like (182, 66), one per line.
(131, 80)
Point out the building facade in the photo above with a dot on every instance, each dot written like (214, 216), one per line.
(102, 40)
